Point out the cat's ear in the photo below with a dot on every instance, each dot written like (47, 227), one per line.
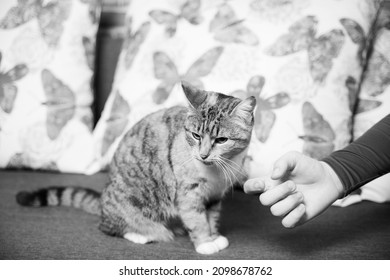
(245, 108)
(195, 96)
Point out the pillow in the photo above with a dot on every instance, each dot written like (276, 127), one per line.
(47, 62)
(293, 56)
(373, 104)
(374, 96)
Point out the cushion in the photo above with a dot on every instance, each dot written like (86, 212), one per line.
(47, 62)
(373, 104)
(295, 57)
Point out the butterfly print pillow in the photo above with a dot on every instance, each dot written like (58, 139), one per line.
(8, 89)
(264, 114)
(300, 60)
(47, 60)
(373, 99)
(321, 50)
(116, 123)
(318, 134)
(227, 27)
(50, 16)
(188, 11)
(373, 102)
(166, 71)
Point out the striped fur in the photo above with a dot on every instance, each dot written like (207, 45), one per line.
(77, 197)
(175, 164)
(158, 172)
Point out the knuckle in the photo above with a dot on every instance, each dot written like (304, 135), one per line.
(299, 196)
(291, 185)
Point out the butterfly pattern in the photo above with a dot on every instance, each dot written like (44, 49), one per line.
(189, 11)
(89, 51)
(278, 11)
(116, 122)
(377, 75)
(8, 90)
(264, 115)
(357, 104)
(318, 134)
(302, 35)
(60, 103)
(357, 35)
(298, 51)
(166, 71)
(50, 16)
(228, 28)
(133, 42)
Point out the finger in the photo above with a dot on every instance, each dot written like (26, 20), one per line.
(294, 217)
(254, 186)
(277, 193)
(286, 205)
(284, 165)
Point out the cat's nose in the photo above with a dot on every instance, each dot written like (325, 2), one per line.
(204, 156)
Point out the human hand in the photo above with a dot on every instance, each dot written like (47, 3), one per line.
(300, 188)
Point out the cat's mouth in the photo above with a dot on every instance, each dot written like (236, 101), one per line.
(208, 163)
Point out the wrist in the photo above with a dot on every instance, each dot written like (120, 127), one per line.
(334, 180)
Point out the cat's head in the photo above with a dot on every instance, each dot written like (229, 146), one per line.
(218, 126)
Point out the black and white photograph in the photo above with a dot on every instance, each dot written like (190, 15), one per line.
(195, 138)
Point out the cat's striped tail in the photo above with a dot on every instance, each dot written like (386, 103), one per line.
(77, 197)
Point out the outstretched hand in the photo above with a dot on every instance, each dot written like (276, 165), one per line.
(300, 188)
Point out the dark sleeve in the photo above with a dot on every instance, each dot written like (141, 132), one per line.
(365, 159)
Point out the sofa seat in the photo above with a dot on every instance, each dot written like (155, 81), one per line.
(360, 231)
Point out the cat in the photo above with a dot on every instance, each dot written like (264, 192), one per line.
(174, 163)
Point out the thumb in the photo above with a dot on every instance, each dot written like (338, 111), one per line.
(285, 165)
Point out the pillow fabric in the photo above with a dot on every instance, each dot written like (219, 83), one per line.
(295, 57)
(373, 104)
(374, 96)
(47, 53)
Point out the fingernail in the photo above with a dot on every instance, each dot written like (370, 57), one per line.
(258, 186)
(252, 186)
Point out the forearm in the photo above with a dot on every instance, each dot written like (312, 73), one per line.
(365, 159)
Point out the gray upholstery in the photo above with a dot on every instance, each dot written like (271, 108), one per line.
(359, 231)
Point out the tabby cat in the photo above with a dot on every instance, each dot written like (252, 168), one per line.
(174, 164)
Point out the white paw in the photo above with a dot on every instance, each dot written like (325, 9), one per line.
(222, 242)
(213, 247)
(136, 238)
(207, 248)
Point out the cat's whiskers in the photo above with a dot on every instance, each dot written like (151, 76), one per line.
(233, 170)
(235, 166)
(224, 171)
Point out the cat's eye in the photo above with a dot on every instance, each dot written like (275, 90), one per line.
(196, 136)
(220, 140)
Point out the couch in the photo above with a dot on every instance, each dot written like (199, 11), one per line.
(360, 231)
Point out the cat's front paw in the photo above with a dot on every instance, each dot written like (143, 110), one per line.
(222, 242)
(136, 238)
(212, 247)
